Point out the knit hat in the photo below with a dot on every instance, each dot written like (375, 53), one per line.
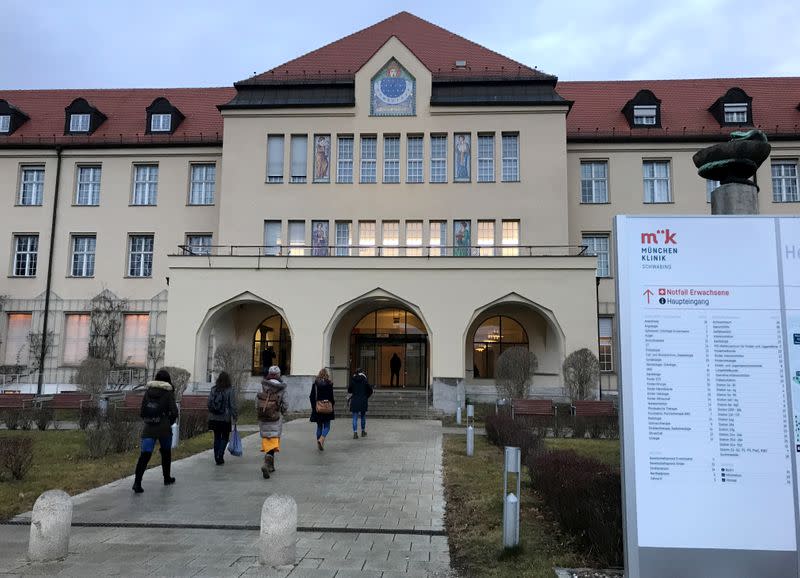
(163, 375)
(274, 372)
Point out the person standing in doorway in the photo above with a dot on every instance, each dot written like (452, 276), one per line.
(322, 405)
(270, 408)
(395, 363)
(221, 414)
(159, 411)
(360, 391)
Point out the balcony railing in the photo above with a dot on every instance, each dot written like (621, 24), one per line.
(381, 251)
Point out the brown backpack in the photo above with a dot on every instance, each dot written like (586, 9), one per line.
(269, 408)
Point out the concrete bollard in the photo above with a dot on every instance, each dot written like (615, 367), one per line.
(50, 525)
(278, 541)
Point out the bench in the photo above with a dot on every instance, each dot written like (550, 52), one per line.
(524, 407)
(68, 401)
(194, 403)
(593, 408)
(16, 400)
(131, 402)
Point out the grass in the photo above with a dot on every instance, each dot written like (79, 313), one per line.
(474, 488)
(61, 461)
(606, 451)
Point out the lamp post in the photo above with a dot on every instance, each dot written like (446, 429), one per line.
(458, 409)
(470, 430)
(511, 500)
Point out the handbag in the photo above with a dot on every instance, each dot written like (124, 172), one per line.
(323, 406)
(175, 429)
(235, 445)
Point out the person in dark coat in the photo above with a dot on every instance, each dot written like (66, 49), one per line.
(322, 389)
(222, 423)
(395, 363)
(360, 390)
(159, 397)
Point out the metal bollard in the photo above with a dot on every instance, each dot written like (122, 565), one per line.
(50, 525)
(511, 500)
(277, 543)
(470, 430)
(458, 415)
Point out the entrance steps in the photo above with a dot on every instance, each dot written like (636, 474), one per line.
(394, 403)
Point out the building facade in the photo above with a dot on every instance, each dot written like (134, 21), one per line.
(402, 193)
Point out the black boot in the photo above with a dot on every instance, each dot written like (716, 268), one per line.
(166, 465)
(141, 466)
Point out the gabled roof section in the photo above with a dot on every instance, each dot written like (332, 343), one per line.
(438, 49)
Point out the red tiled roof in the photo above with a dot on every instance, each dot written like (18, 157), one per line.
(127, 118)
(438, 49)
(597, 112)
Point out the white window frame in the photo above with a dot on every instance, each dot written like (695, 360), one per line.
(296, 232)
(140, 255)
(344, 239)
(145, 185)
(134, 345)
(80, 122)
(84, 248)
(87, 192)
(710, 186)
(5, 123)
(415, 159)
(160, 122)
(644, 114)
(437, 238)
(344, 158)
(486, 232)
(391, 159)
(390, 238)
(199, 243)
(26, 255)
(785, 183)
(594, 186)
(275, 153)
(735, 112)
(272, 246)
(366, 238)
(651, 196)
(369, 159)
(510, 240)
(76, 338)
(202, 183)
(486, 158)
(510, 146)
(598, 244)
(31, 187)
(298, 161)
(414, 238)
(438, 170)
(605, 333)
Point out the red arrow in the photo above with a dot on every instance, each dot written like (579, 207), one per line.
(647, 294)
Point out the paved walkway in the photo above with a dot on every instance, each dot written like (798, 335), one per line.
(367, 507)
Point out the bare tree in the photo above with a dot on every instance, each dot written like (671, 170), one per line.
(581, 373)
(155, 353)
(92, 375)
(235, 360)
(38, 348)
(514, 372)
(180, 379)
(105, 322)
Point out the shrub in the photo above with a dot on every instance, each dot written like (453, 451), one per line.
(502, 431)
(98, 441)
(87, 414)
(192, 423)
(579, 427)
(43, 416)
(514, 372)
(16, 456)
(585, 496)
(124, 430)
(180, 379)
(92, 375)
(25, 419)
(581, 373)
(235, 359)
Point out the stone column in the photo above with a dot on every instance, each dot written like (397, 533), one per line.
(278, 541)
(50, 525)
(734, 199)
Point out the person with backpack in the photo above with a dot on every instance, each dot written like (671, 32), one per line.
(360, 391)
(270, 408)
(322, 403)
(159, 411)
(221, 414)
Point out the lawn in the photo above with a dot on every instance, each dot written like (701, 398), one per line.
(60, 461)
(473, 490)
(606, 451)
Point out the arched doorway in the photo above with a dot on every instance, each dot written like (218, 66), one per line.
(391, 345)
(491, 338)
(272, 345)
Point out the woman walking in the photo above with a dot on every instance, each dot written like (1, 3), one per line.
(270, 408)
(221, 414)
(360, 390)
(159, 411)
(322, 403)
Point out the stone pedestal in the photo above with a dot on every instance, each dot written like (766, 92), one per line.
(278, 541)
(50, 526)
(734, 199)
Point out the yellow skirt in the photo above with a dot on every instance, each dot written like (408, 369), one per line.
(268, 444)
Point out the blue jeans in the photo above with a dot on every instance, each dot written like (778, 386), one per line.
(323, 428)
(149, 444)
(363, 420)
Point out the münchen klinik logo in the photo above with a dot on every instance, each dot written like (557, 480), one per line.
(656, 246)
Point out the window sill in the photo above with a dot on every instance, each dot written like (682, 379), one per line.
(438, 182)
(659, 203)
(21, 205)
(367, 182)
(486, 182)
(137, 277)
(148, 205)
(517, 181)
(80, 205)
(80, 276)
(390, 183)
(273, 182)
(22, 276)
(200, 204)
(325, 182)
(784, 202)
(603, 203)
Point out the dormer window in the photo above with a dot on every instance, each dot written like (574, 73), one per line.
(736, 113)
(160, 122)
(82, 117)
(11, 118)
(162, 117)
(5, 123)
(734, 108)
(79, 122)
(643, 110)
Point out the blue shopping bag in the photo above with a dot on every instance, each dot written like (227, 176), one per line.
(235, 444)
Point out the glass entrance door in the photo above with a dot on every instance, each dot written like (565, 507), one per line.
(392, 361)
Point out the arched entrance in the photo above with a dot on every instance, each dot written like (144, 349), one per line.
(272, 345)
(391, 345)
(492, 337)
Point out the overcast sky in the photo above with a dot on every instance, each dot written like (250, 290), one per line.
(165, 43)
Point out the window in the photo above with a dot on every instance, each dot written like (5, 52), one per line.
(784, 181)
(5, 123)
(275, 158)
(413, 238)
(605, 347)
(88, 193)
(391, 238)
(438, 238)
(486, 238)
(272, 237)
(391, 159)
(656, 182)
(17, 338)
(366, 238)
(344, 163)
(160, 122)
(26, 249)
(594, 181)
(136, 329)
(492, 337)
(710, 186)
(343, 238)
(510, 157)
(83, 249)
(414, 166)
(140, 256)
(79, 122)
(297, 237)
(439, 159)
(76, 338)
(145, 185)
(644, 114)
(299, 159)
(510, 238)
(598, 245)
(31, 188)
(736, 113)
(198, 244)
(203, 182)
(485, 158)
(369, 159)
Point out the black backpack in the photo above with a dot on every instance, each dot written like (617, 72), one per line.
(153, 409)
(216, 401)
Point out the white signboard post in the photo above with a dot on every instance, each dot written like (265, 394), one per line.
(706, 361)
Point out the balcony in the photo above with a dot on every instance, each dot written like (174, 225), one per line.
(383, 251)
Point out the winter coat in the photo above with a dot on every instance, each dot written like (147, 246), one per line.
(360, 389)
(230, 413)
(322, 389)
(271, 429)
(156, 390)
